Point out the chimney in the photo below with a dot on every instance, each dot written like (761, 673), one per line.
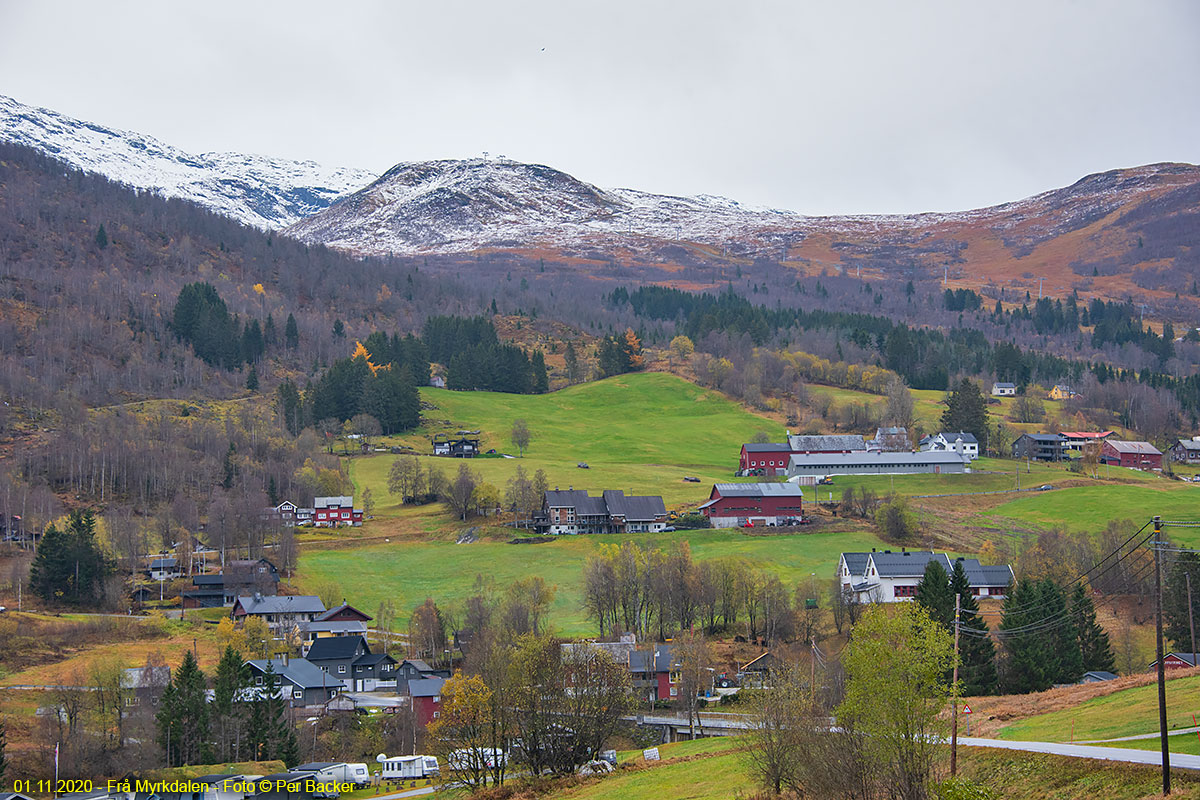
(872, 549)
(904, 550)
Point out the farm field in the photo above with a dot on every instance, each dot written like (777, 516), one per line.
(1089, 508)
(410, 571)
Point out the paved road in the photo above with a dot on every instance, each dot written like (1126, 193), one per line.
(1130, 756)
(1176, 732)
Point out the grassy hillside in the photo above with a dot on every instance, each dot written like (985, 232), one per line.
(1125, 713)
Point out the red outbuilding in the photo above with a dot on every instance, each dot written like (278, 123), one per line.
(1136, 455)
(732, 505)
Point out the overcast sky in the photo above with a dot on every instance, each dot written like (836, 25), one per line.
(819, 107)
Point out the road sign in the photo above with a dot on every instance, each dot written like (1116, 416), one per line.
(651, 754)
(966, 709)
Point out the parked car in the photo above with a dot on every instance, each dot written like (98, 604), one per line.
(691, 479)
(583, 465)
(669, 529)
(1045, 487)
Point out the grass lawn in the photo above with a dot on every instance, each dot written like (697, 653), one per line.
(411, 571)
(721, 775)
(1124, 713)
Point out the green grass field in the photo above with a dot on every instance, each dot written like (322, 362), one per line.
(411, 571)
(719, 776)
(1125, 713)
(1089, 508)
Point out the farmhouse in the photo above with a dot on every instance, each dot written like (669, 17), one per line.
(889, 577)
(415, 669)
(770, 457)
(878, 464)
(1062, 392)
(240, 577)
(465, 445)
(741, 504)
(1177, 661)
(286, 514)
(163, 569)
(1078, 441)
(653, 670)
(1003, 389)
(294, 679)
(574, 511)
(332, 512)
(1137, 455)
(1186, 451)
(965, 444)
(890, 440)
(282, 613)
(1038, 447)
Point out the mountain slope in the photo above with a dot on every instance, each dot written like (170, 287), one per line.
(268, 193)
(1091, 236)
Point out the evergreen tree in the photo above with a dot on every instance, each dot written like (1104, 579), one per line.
(1047, 653)
(101, 238)
(252, 379)
(229, 469)
(339, 328)
(269, 332)
(933, 593)
(272, 491)
(231, 678)
(183, 722)
(291, 333)
(572, 363)
(966, 410)
(253, 344)
(1176, 622)
(201, 318)
(268, 732)
(289, 407)
(70, 566)
(977, 654)
(541, 380)
(390, 397)
(1094, 648)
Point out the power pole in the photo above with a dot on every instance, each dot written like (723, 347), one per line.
(954, 691)
(1158, 647)
(1191, 617)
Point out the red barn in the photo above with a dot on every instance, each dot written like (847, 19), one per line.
(731, 505)
(772, 457)
(1177, 661)
(1136, 455)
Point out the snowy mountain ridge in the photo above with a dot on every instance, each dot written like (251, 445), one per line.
(264, 192)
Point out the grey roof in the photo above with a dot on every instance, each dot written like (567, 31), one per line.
(344, 501)
(1053, 438)
(208, 580)
(313, 766)
(1190, 658)
(160, 563)
(848, 442)
(338, 609)
(856, 562)
(759, 489)
(894, 430)
(1004, 385)
(767, 447)
(1100, 675)
(906, 564)
(145, 677)
(372, 658)
(634, 507)
(658, 661)
(420, 665)
(874, 459)
(282, 604)
(950, 436)
(337, 648)
(1189, 444)
(584, 505)
(1142, 448)
(299, 671)
(426, 687)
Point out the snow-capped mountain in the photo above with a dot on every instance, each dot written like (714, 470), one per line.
(451, 206)
(265, 192)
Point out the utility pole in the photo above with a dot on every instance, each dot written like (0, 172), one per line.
(954, 691)
(1191, 616)
(1158, 647)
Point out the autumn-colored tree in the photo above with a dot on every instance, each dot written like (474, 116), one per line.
(633, 350)
(462, 733)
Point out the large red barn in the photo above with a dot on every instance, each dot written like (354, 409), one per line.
(735, 504)
(1136, 455)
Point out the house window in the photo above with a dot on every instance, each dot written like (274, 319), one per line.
(906, 591)
(297, 695)
(341, 669)
(258, 680)
(674, 692)
(437, 714)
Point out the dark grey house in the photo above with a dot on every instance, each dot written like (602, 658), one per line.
(298, 681)
(1038, 447)
(349, 660)
(414, 669)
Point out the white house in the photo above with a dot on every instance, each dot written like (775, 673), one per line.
(1002, 389)
(965, 444)
(890, 577)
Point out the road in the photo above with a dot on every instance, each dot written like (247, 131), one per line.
(1127, 755)
(1155, 735)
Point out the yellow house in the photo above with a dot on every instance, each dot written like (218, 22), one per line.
(1062, 392)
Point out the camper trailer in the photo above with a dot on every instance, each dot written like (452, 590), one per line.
(401, 768)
